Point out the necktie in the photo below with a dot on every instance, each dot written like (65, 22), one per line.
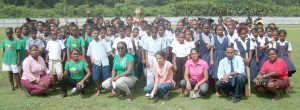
(232, 77)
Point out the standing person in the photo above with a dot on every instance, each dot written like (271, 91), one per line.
(232, 80)
(262, 46)
(122, 75)
(36, 78)
(75, 42)
(76, 75)
(123, 38)
(204, 42)
(22, 44)
(180, 56)
(244, 46)
(152, 45)
(196, 74)
(34, 41)
(220, 42)
(163, 77)
(135, 39)
(273, 76)
(284, 49)
(98, 50)
(11, 57)
(54, 50)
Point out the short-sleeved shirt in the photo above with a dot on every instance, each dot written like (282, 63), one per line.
(38, 42)
(162, 71)
(98, 50)
(88, 40)
(76, 69)
(73, 43)
(279, 67)
(154, 45)
(54, 47)
(196, 71)
(23, 52)
(121, 66)
(10, 54)
(181, 50)
(127, 40)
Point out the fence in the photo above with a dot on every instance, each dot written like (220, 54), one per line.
(16, 22)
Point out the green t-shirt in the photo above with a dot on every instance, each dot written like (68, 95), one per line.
(76, 69)
(10, 54)
(88, 40)
(73, 43)
(121, 66)
(23, 52)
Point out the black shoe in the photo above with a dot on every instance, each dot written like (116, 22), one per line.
(235, 100)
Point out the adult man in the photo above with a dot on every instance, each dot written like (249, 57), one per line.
(231, 75)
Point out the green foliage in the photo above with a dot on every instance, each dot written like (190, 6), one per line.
(109, 8)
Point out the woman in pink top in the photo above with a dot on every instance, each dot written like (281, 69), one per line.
(273, 76)
(196, 74)
(163, 77)
(35, 79)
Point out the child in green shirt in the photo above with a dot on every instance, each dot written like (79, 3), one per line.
(10, 62)
(75, 42)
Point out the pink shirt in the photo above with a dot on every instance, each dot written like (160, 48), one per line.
(162, 71)
(32, 70)
(279, 67)
(196, 71)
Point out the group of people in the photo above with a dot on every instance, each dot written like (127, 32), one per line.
(197, 57)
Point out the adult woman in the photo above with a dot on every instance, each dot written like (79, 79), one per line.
(196, 74)
(35, 79)
(273, 76)
(163, 77)
(122, 76)
(77, 78)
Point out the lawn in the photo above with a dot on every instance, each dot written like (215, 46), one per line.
(18, 100)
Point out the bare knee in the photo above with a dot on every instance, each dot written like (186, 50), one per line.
(271, 86)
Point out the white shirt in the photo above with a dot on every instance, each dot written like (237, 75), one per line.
(181, 50)
(262, 42)
(244, 44)
(220, 40)
(54, 48)
(233, 37)
(98, 52)
(127, 40)
(282, 44)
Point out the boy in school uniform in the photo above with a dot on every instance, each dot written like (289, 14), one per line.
(34, 41)
(54, 48)
(98, 50)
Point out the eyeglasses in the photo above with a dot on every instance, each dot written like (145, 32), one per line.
(121, 48)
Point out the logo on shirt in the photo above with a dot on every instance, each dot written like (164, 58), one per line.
(8, 46)
(74, 45)
(74, 70)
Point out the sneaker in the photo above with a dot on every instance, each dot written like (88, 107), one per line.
(74, 90)
(148, 95)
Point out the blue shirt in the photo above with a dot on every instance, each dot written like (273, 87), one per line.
(225, 68)
(154, 45)
(98, 52)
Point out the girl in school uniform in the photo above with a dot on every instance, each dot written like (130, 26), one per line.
(220, 42)
(262, 46)
(244, 46)
(284, 49)
(204, 43)
(180, 56)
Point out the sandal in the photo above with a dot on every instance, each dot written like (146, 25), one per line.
(63, 96)
(28, 94)
(128, 98)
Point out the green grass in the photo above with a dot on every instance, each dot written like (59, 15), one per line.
(18, 100)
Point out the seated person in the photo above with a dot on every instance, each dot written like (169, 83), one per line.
(122, 75)
(196, 74)
(36, 78)
(163, 80)
(231, 75)
(75, 75)
(273, 76)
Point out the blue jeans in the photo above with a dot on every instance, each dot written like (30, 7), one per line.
(162, 89)
(234, 91)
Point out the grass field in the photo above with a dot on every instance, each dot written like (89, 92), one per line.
(18, 100)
